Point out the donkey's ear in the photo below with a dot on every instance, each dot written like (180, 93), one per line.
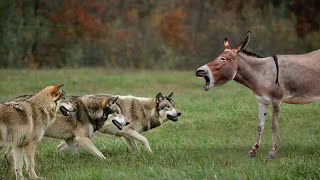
(226, 43)
(159, 97)
(242, 45)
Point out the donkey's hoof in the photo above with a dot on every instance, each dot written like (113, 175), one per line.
(270, 157)
(251, 154)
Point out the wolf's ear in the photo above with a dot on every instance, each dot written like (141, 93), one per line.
(112, 100)
(242, 45)
(103, 104)
(55, 89)
(60, 86)
(170, 95)
(159, 97)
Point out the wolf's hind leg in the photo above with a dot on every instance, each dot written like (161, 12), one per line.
(8, 155)
(62, 147)
(132, 144)
(18, 162)
(87, 144)
(67, 143)
(29, 151)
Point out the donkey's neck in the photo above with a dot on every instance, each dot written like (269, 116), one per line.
(253, 72)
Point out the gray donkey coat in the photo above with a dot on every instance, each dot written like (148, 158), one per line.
(293, 79)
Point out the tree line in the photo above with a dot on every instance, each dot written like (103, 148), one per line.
(151, 34)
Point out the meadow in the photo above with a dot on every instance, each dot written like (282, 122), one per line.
(209, 141)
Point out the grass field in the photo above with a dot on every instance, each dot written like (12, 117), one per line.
(209, 141)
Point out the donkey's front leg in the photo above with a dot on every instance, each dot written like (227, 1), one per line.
(262, 111)
(274, 127)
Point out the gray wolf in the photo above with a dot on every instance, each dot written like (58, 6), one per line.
(143, 115)
(276, 79)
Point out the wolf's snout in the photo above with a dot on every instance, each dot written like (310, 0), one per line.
(127, 123)
(201, 73)
(179, 113)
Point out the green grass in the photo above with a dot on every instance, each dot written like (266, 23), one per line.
(210, 140)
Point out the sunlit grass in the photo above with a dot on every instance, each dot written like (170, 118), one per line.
(209, 141)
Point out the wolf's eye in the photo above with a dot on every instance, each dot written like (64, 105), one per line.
(167, 106)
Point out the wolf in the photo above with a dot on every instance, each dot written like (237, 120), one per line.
(23, 124)
(143, 115)
(78, 128)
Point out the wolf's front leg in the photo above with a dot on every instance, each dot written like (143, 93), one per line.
(130, 133)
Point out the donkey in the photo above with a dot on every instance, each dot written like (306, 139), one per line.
(292, 79)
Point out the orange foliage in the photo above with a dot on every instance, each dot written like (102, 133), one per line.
(173, 29)
(76, 19)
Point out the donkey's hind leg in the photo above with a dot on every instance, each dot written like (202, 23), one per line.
(274, 128)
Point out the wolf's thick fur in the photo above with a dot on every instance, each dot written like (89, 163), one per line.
(78, 128)
(22, 125)
(143, 114)
(92, 114)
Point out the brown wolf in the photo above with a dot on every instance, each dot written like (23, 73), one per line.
(78, 128)
(22, 125)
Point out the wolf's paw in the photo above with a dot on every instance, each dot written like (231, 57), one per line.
(20, 178)
(36, 178)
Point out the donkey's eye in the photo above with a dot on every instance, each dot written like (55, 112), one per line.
(117, 112)
(222, 59)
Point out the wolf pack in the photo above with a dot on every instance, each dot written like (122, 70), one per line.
(25, 120)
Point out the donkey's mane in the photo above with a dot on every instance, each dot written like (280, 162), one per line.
(250, 53)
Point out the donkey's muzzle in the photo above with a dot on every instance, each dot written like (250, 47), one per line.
(201, 73)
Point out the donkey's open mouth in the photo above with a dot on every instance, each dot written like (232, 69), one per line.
(207, 85)
(203, 74)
